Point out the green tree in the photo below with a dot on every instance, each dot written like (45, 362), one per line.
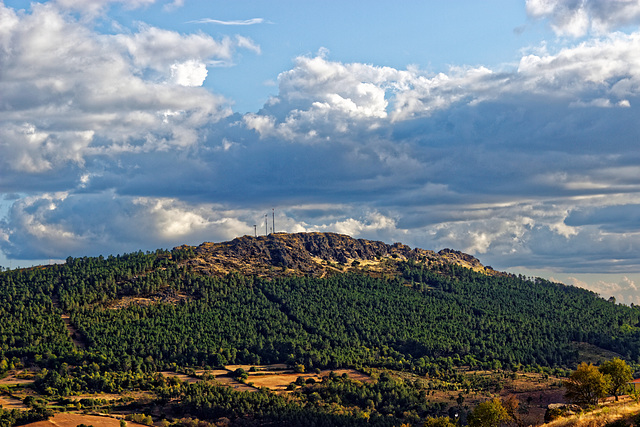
(439, 422)
(620, 374)
(587, 385)
(488, 414)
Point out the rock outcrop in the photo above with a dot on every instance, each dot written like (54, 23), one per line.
(464, 260)
(315, 254)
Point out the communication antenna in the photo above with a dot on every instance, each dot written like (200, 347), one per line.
(273, 222)
(255, 230)
(266, 231)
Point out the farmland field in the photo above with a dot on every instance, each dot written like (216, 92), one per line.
(72, 420)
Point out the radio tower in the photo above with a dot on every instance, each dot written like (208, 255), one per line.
(273, 222)
(266, 231)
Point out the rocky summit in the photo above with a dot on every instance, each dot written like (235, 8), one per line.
(314, 254)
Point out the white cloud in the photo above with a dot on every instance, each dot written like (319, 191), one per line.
(157, 49)
(251, 21)
(28, 149)
(354, 90)
(319, 99)
(576, 18)
(226, 145)
(30, 215)
(373, 224)
(93, 8)
(173, 221)
(175, 4)
(189, 73)
(608, 65)
(59, 225)
(264, 125)
(247, 43)
(65, 87)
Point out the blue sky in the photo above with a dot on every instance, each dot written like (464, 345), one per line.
(505, 129)
(431, 34)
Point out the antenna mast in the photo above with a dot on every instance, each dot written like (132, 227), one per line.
(273, 222)
(266, 231)
(255, 230)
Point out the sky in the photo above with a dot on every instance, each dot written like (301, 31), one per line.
(506, 129)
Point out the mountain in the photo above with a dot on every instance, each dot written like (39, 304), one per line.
(316, 255)
(325, 297)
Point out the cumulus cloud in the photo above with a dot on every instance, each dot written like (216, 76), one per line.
(320, 99)
(374, 225)
(189, 73)
(52, 225)
(603, 66)
(576, 18)
(156, 49)
(28, 149)
(320, 96)
(68, 92)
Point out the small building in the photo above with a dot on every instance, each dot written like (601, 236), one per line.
(635, 384)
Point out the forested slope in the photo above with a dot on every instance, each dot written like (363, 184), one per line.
(426, 316)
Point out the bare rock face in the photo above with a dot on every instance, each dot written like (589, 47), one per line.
(315, 254)
(462, 259)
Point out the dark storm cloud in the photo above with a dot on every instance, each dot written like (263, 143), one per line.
(613, 219)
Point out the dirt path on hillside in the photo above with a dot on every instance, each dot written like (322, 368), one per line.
(76, 337)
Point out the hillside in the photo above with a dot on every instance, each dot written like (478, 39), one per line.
(414, 327)
(383, 303)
